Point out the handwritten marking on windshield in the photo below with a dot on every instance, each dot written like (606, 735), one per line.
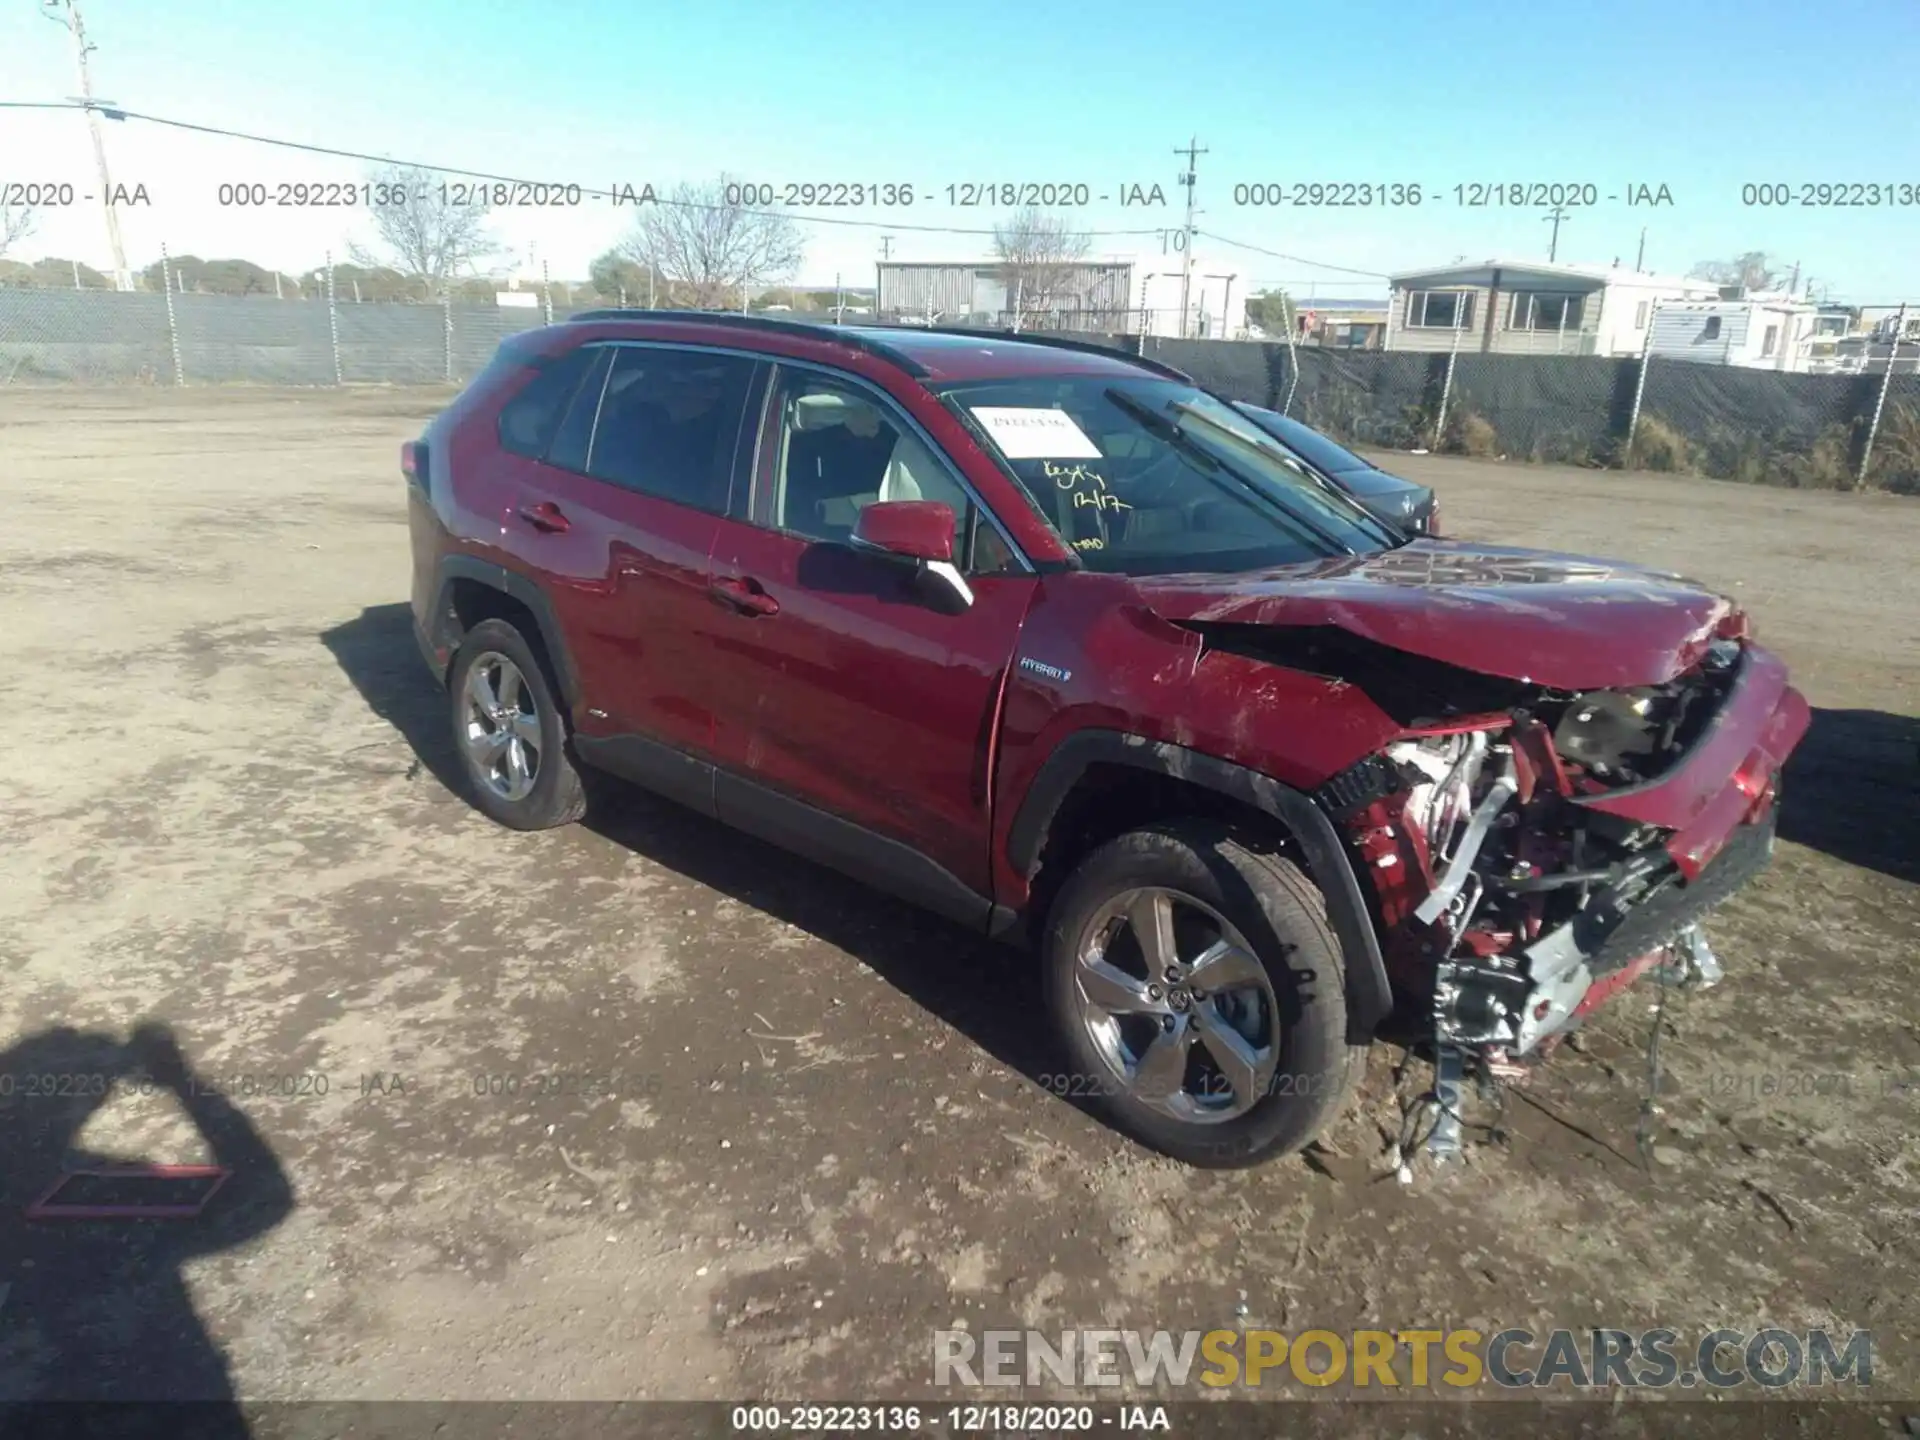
(1070, 477)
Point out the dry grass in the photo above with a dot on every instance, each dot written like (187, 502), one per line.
(1658, 446)
(1895, 465)
(1468, 432)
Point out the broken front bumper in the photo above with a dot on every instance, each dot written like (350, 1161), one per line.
(1590, 958)
(1728, 779)
(1718, 805)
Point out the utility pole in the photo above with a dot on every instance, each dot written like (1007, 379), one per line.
(1187, 178)
(1640, 255)
(1793, 285)
(1556, 215)
(76, 27)
(886, 247)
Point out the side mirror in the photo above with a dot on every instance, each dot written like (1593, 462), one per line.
(912, 529)
(920, 531)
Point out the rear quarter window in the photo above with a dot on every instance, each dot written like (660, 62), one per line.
(529, 420)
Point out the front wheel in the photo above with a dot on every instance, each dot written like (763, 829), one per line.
(1198, 990)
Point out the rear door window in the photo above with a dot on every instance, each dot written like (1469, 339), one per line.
(529, 420)
(669, 421)
(570, 441)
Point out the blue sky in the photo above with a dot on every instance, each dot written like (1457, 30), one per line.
(1699, 97)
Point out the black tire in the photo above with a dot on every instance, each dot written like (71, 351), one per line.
(1282, 917)
(557, 796)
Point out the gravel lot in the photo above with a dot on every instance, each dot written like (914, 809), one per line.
(788, 1126)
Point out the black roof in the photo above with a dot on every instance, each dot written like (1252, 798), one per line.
(879, 340)
(843, 334)
(1027, 337)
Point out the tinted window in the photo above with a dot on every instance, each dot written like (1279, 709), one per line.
(528, 421)
(1155, 477)
(841, 450)
(1315, 447)
(669, 421)
(569, 447)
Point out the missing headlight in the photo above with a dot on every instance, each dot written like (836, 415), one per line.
(1613, 733)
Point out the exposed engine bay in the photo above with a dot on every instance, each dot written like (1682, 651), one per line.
(1510, 903)
(1533, 843)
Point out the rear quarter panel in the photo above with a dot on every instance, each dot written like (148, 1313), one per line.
(462, 509)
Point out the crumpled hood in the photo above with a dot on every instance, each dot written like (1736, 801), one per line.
(1564, 621)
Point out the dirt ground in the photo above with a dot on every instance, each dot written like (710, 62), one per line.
(647, 1109)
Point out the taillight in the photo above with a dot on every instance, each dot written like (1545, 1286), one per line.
(413, 462)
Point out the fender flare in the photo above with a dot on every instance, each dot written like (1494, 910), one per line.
(522, 589)
(1369, 995)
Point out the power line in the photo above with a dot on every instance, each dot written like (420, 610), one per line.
(1296, 259)
(115, 112)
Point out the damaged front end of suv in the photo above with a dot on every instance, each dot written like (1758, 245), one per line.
(1587, 760)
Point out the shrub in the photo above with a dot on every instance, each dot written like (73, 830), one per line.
(1895, 465)
(1658, 446)
(1470, 433)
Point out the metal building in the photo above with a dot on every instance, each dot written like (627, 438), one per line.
(1090, 296)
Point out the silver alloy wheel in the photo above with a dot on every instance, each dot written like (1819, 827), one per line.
(1177, 1004)
(502, 729)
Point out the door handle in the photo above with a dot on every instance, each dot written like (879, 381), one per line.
(546, 516)
(744, 595)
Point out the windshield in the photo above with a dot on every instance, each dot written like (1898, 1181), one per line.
(1148, 477)
(1313, 447)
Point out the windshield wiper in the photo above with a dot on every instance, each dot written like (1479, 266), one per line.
(1155, 421)
(1266, 445)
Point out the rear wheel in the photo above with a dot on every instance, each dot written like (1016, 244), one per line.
(510, 732)
(1198, 991)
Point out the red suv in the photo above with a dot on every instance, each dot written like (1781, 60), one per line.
(1052, 640)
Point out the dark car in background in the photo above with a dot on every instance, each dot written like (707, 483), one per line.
(1401, 503)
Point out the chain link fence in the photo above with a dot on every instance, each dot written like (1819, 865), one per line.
(101, 338)
(1832, 431)
(1651, 412)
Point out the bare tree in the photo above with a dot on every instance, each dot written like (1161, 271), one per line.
(1751, 272)
(432, 231)
(16, 223)
(1041, 260)
(712, 252)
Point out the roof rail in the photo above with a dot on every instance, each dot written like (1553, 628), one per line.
(1058, 342)
(798, 328)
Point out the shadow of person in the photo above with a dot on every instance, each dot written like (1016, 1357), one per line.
(95, 1310)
